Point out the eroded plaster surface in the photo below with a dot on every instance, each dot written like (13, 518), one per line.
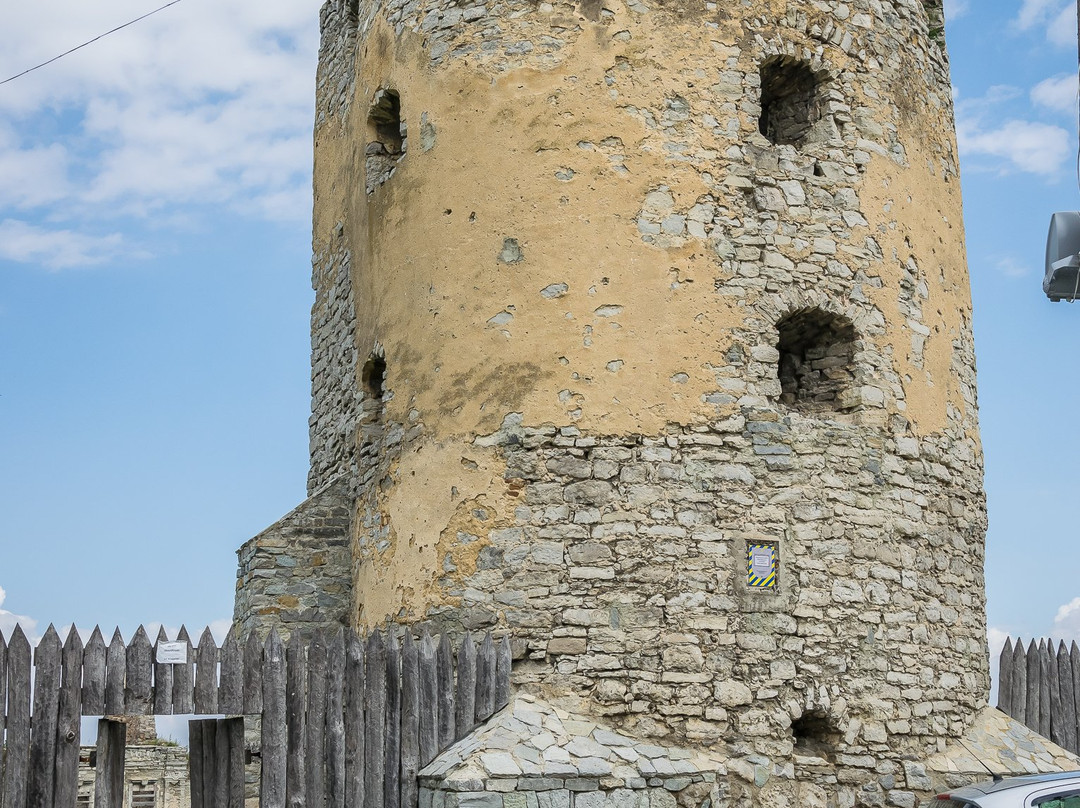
(576, 276)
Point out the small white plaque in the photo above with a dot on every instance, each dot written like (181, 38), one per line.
(172, 653)
(761, 561)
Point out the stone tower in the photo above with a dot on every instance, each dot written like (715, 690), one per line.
(643, 333)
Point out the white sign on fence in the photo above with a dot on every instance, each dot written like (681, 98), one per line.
(172, 653)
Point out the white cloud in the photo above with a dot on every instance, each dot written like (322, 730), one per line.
(956, 8)
(1033, 12)
(1062, 28)
(1059, 17)
(1067, 622)
(1012, 268)
(995, 639)
(201, 104)
(1029, 146)
(1057, 92)
(57, 249)
(8, 621)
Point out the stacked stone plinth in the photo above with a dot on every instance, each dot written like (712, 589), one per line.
(623, 333)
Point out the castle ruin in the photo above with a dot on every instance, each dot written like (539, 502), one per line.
(642, 333)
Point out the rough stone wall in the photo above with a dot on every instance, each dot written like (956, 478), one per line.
(334, 370)
(158, 772)
(296, 574)
(584, 420)
(625, 572)
(335, 405)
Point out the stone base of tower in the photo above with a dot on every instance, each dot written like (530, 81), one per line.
(996, 743)
(535, 754)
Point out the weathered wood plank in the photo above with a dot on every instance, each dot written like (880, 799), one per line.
(252, 675)
(138, 689)
(429, 699)
(315, 745)
(1005, 664)
(3, 707)
(335, 721)
(93, 691)
(206, 671)
(228, 754)
(485, 680)
(274, 744)
(41, 783)
(410, 721)
(231, 683)
(1032, 696)
(1074, 663)
(1068, 698)
(1044, 690)
(1057, 727)
(355, 675)
(447, 720)
(503, 666)
(115, 673)
(109, 778)
(210, 763)
(392, 736)
(163, 678)
(222, 769)
(295, 701)
(18, 720)
(196, 773)
(234, 778)
(1019, 685)
(17, 689)
(69, 722)
(183, 696)
(466, 687)
(374, 721)
(205, 750)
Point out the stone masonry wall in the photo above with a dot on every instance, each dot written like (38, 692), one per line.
(625, 572)
(296, 574)
(628, 346)
(335, 399)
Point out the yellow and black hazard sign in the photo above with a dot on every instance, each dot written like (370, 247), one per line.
(761, 563)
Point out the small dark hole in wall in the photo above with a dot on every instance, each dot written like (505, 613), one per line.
(386, 138)
(374, 376)
(817, 361)
(790, 100)
(815, 732)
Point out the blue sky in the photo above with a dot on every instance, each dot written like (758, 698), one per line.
(154, 289)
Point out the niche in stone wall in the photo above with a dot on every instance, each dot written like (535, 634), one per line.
(792, 97)
(373, 377)
(817, 361)
(386, 138)
(815, 734)
(372, 407)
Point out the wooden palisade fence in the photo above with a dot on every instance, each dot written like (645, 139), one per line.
(346, 722)
(1040, 687)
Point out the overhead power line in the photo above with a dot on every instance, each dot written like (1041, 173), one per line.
(89, 42)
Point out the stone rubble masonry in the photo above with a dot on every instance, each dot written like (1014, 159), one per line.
(158, 769)
(997, 743)
(624, 575)
(296, 574)
(335, 396)
(536, 755)
(577, 285)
